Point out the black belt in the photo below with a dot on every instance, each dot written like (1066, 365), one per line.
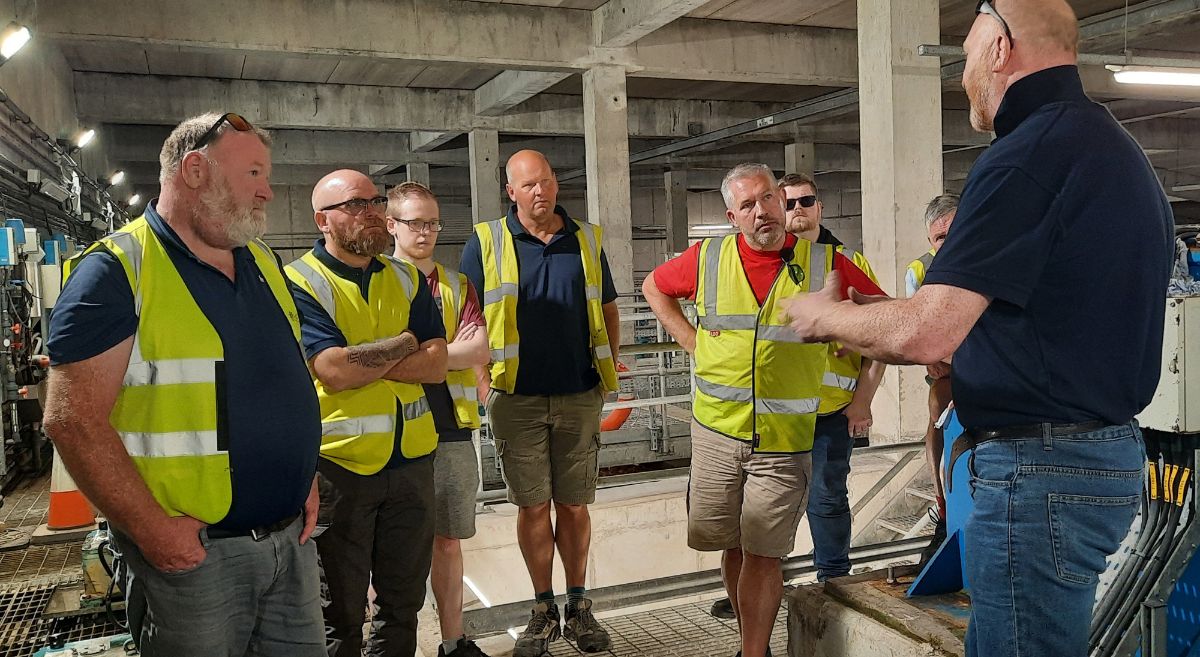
(257, 533)
(972, 438)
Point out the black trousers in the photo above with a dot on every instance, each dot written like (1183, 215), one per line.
(380, 535)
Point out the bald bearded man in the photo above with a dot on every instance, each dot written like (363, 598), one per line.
(372, 335)
(1049, 292)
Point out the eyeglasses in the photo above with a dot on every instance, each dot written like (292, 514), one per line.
(806, 201)
(985, 7)
(356, 206)
(238, 122)
(418, 226)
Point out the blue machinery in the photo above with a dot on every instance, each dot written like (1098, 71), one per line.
(1149, 600)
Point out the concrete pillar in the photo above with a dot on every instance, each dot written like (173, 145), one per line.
(900, 124)
(799, 157)
(418, 172)
(606, 140)
(486, 185)
(675, 182)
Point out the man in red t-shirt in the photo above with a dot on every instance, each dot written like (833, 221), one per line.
(743, 500)
(414, 220)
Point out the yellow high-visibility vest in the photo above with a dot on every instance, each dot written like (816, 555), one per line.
(452, 287)
(755, 380)
(358, 427)
(501, 282)
(168, 412)
(841, 379)
(914, 278)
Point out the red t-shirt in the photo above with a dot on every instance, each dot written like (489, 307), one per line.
(677, 277)
(471, 312)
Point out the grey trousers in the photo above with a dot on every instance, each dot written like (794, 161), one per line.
(380, 535)
(247, 598)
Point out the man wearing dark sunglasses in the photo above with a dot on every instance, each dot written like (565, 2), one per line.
(185, 412)
(372, 336)
(1049, 293)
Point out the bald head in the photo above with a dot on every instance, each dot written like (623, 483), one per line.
(334, 186)
(1043, 27)
(532, 186)
(524, 162)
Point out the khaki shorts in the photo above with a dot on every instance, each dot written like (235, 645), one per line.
(548, 445)
(737, 498)
(455, 486)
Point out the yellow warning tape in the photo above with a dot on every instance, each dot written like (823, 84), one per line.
(1182, 484)
(1153, 479)
(1169, 482)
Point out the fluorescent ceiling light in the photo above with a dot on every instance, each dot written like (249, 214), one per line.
(1186, 188)
(84, 138)
(12, 39)
(711, 228)
(116, 178)
(134, 199)
(1182, 77)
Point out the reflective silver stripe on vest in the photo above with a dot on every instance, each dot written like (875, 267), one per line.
(145, 444)
(509, 351)
(817, 257)
(359, 426)
(602, 351)
(763, 406)
(129, 243)
(459, 391)
(168, 372)
(836, 381)
(712, 260)
(322, 288)
(498, 294)
(727, 322)
(403, 274)
(416, 409)
(779, 334)
(723, 392)
(455, 289)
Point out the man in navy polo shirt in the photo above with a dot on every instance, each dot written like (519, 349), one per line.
(180, 402)
(1050, 294)
(544, 278)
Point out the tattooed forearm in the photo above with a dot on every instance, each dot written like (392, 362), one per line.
(382, 352)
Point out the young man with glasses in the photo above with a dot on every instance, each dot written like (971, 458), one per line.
(414, 221)
(372, 336)
(1049, 292)
(180, 403)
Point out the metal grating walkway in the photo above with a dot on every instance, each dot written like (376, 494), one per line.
(683, 631)
(23, 631)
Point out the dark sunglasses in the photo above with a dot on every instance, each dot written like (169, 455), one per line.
(803, 201)
(356, 206)
(238, 122)
(985, 7)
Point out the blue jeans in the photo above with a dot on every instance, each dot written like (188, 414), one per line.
(828, 499)
(1048, 512)
(247, 598)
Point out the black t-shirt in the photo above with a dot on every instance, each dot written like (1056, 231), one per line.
(1064, 225)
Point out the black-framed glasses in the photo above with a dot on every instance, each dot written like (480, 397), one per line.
(237, 121)
(985, 7)
(356, 206)
(419, 226)
(806, 201)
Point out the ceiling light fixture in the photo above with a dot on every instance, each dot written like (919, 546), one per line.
(13, 38)
(133, 200)
(116, 178)
(1180, 77)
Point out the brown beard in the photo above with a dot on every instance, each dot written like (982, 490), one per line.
(218, 211)
(979, 92)
(354, 239)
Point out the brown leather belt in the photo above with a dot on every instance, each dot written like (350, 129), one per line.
(972, 438)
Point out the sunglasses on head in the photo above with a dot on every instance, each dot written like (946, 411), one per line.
(985, 7)
(806, 201)
(238, 122)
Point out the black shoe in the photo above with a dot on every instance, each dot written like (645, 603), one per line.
(739, 653)
(583, 628)
(542, 629)
(723, 608)
(935, 542)
(465, 648)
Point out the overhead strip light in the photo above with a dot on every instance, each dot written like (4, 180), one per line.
(12, 39)
(1178, 77)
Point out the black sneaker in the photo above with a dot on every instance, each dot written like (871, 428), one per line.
(935, 542)
(465, 648)
(722, 608)
(583, 628)
(542, 629)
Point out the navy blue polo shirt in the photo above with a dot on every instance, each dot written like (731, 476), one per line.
(273, 421)
(1063, 225)
(319, 332)
(552, 320)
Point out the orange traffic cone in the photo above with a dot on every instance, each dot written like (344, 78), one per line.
(71, 516)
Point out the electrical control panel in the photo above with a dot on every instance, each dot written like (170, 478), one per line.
(1176, 404)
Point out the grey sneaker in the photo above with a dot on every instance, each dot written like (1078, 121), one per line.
(583, 628)
(542, 629)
